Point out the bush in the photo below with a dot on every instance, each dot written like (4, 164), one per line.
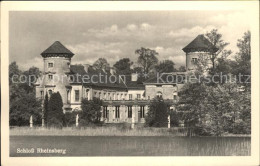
(241, 127)
(55, 123)
(203, 130)
(70, 118)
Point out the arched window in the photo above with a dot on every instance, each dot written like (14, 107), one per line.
(50, 92)
(159, 94)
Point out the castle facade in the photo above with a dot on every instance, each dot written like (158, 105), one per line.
(124, 100)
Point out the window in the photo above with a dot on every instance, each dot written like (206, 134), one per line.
(141, 111)
(50, 92)
(68, 100)
(159, 94)
(129, 111)
(148, 97)
(50, 77)
(130, 96)
(174, 97)
(194, 60)
(105, 112)
(138, 96)
(76, 95)
(50, 65)
(41, 94)
(117, 112)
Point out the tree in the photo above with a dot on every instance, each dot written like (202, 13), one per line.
(102, 64)
(182, 69)
(166, 66)
(21, 108)
(157, 115)
(147, 58)
(55, 111)
(123, 66)
(216, 39)
(91, 111)
(191, 103)
(45, 108)
(32, 75)
(243, 59)
(23, 104)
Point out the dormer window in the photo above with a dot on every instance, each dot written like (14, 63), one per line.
(194, 60)
(50, 65)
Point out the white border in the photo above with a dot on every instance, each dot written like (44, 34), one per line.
(253, 6)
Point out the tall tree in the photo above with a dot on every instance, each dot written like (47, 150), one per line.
(216, 39)
(23, 104)
(123, 66)
(157, 115)
(55, 112)
(32, 74)
(165, 66)
(147, 58)
(243, 59)
(102, 64)
(45, 108)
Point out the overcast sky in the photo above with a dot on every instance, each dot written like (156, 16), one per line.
(115, 35)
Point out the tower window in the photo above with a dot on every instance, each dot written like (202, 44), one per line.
(50, 65)
(50, 77)
(194, 60)
(76, 95)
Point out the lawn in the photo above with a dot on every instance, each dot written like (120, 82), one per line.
(133, 145)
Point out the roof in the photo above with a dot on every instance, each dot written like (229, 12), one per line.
(94, 77)
(134, 85)
(57, 48)
(102, 81)
(200, 43)
(167, 78)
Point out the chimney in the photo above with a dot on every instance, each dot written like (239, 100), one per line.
(86, 66)
(112, 71)
(134, 76)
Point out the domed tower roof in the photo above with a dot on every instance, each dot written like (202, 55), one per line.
(57, 49)
(200, 43)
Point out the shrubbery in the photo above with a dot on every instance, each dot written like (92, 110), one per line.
(157, 115)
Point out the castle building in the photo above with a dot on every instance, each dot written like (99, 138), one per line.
(124, 99)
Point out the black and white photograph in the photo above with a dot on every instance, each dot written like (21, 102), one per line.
(117, 82)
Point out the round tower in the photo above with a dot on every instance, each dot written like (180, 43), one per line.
(200, 47)
(56, 60)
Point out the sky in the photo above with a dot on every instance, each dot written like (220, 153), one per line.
(117, 34)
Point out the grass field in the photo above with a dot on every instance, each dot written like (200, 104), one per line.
(133, 145)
